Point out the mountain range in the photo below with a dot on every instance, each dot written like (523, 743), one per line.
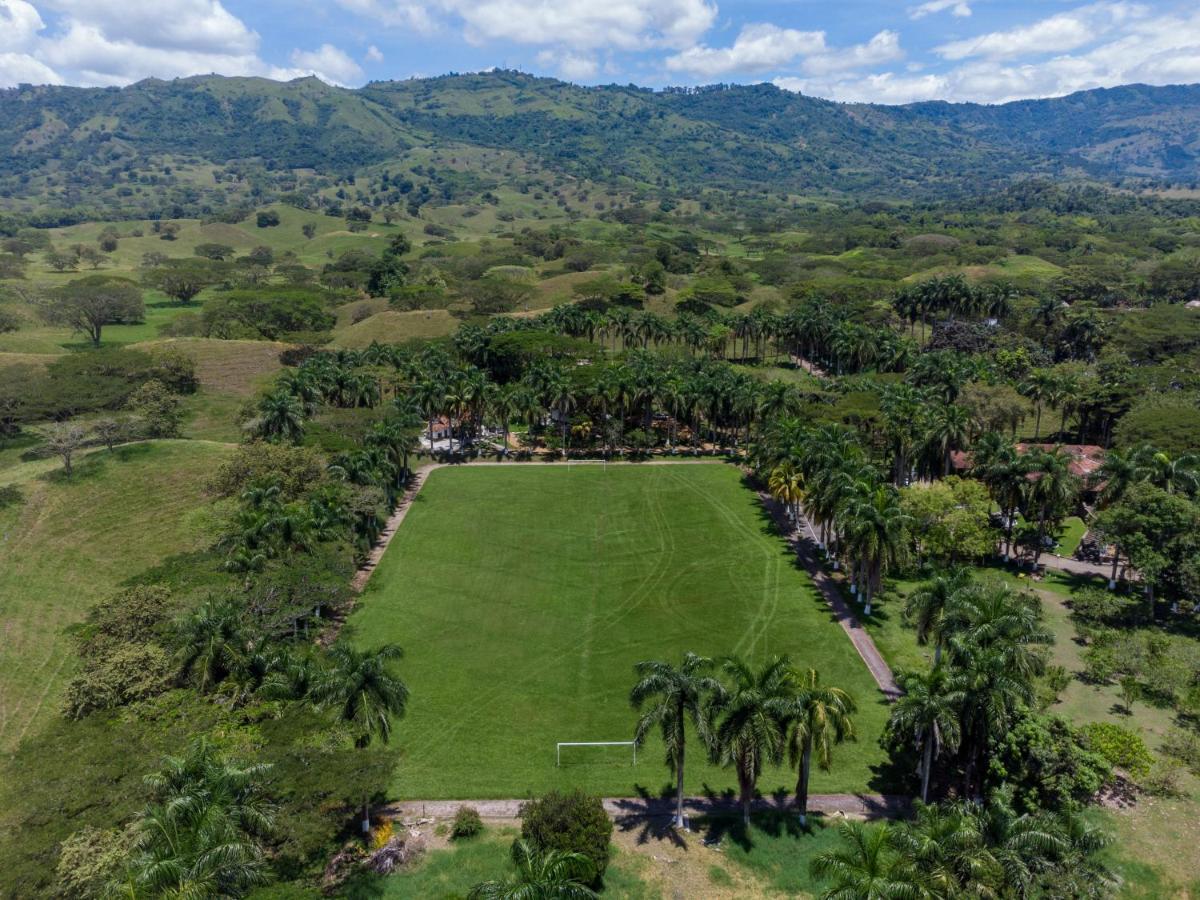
(736, 137)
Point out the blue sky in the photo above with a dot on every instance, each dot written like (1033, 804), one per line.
(868, 50)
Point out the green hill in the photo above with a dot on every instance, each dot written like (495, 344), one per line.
(198, 145)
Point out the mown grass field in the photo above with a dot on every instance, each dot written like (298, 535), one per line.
(524, 595)
(64, 545)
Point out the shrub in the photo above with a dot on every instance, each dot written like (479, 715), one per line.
(1164, 779)
(1047, 763)
(125, 674)
(90, 859)
(1119, 745)
(573, 823)
(294, 469)
(1183, 745)
(1096, 606)
(467, 823)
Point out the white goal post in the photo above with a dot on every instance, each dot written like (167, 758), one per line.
(561, 744)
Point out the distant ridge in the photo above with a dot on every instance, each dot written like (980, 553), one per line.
(730, 137)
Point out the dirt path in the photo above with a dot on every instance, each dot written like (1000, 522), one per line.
(803, 540)
(866, 805)
(393, 523)
(810, 367)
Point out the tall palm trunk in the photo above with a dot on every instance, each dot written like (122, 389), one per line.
(802, 781)
(927, 762)
(679, 773)
(746, 788)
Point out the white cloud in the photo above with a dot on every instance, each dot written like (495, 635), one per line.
(374, 54)
(115, 42)
(19, 24)
(578, 25)
(765, 47)
(572, 66)
(957, 8)
(1062, 32)
(1161, 49)
(199, 26)
(328, 63)
(757, 48)
(21, 68)
(404, 14)
(586, 24)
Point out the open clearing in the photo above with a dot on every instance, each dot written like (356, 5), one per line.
(523, 596)
(64, 545)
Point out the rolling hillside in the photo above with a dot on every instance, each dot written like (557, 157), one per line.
(198, 144)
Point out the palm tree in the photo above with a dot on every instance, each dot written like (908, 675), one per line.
(876, 529)
(926, 607)
(553, 875)
(820, 717)
(752, 711)
(786, 484)
(996, 643)
(945, 845)
(1038, 387)
(429, 396)
(950, 428)
(280, 418)
(210, 643)
(927, 714)
(1053, 488)
(1115, 475)
(1173, 474)
(197, 838)
(365, 693)
(1005, 473)
(676, 695)
(559, 395)
(865, 866)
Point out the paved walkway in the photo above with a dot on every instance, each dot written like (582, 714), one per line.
(393, 523)
(803, 540)
(868, 805)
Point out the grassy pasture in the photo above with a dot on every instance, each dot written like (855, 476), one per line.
(65, 544)
(396, 327)
(523, 596)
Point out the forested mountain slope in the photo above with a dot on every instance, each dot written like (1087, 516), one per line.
(732, 137)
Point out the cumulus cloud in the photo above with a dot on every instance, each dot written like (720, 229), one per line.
(572, 66)
(576, 25)
(765, 47)
(114, 42)
(374, 54)
(1061, 32)
(1163, 49)
(328, 63)
(956, 7)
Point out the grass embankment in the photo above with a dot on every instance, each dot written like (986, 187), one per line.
(65, 544)
(525, 595)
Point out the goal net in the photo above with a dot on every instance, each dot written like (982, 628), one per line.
(576, 752)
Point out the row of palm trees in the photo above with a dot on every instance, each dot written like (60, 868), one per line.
(755, 716)
(825, 472)
(711, 400)
(814, 329)
(952, 296)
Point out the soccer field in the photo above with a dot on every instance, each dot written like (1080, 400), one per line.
(523, 596)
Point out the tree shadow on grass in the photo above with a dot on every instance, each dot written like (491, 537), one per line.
(97, 463)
